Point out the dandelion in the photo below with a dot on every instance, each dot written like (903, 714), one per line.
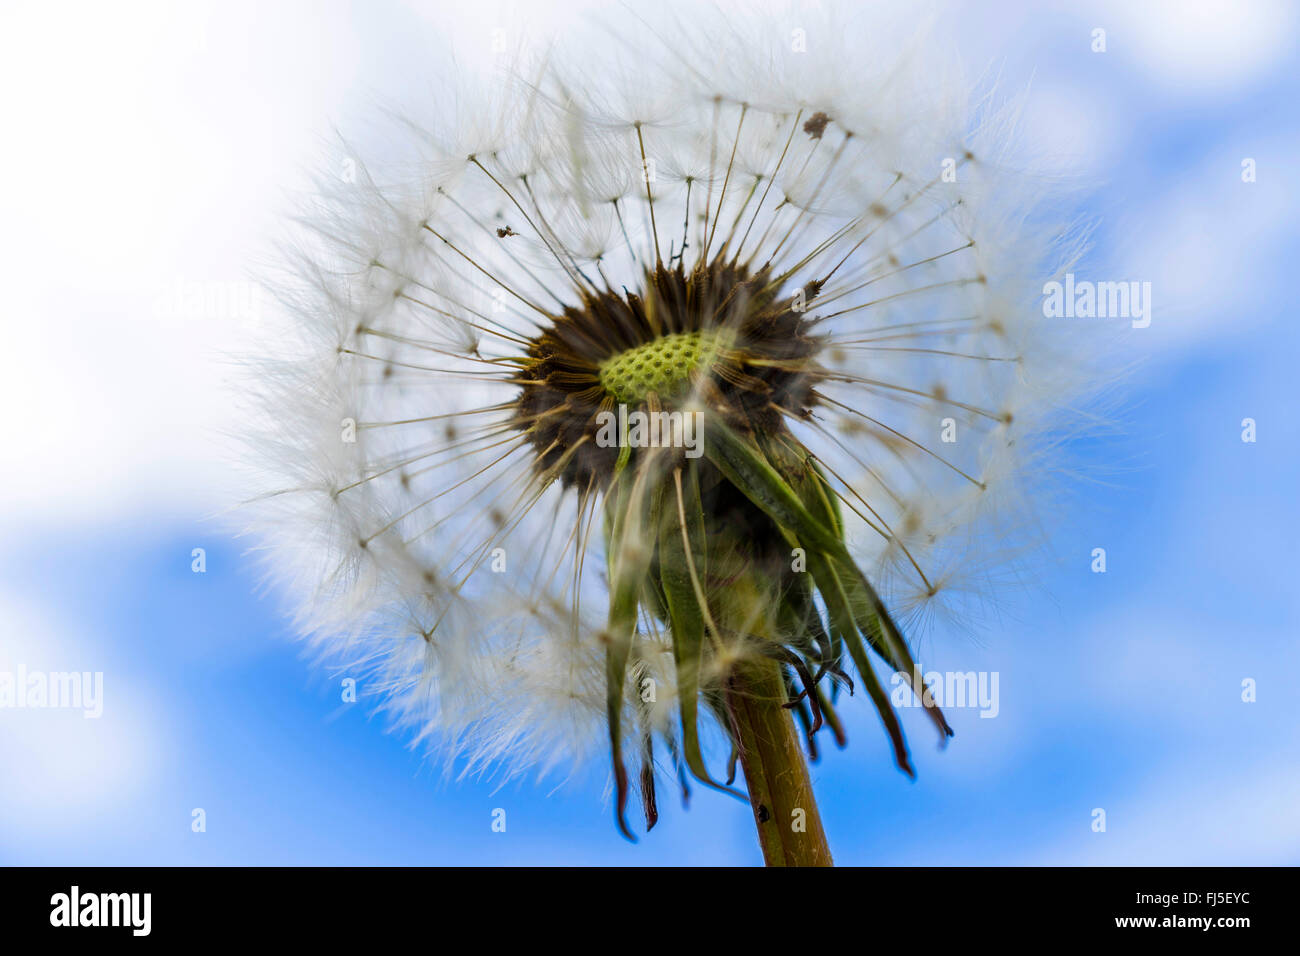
(644, 405)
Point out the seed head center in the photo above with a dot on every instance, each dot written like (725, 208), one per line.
(662, 366)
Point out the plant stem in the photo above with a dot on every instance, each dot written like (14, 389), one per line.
(780, 791)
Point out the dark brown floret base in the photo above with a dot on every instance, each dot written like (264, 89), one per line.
(767, 371)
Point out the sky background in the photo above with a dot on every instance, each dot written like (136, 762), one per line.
(152, 147)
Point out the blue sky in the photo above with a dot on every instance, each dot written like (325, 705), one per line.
(1119, 691)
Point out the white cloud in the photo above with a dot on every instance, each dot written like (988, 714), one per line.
(1233, 814)
(62, 767)
(1198, 48)
(147, 145)
(1212, 245)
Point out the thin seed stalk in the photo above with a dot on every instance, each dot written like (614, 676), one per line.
(780, 790)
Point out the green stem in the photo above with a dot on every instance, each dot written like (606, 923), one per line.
(780, 790)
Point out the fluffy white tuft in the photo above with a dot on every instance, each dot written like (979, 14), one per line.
(408, 282)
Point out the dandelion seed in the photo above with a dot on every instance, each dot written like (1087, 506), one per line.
(799, 273)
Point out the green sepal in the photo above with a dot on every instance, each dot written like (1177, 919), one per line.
(685, 614)
(853, 605)
(844, 626)
(627, 571)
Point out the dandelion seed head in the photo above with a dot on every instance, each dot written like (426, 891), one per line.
(836, 256)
